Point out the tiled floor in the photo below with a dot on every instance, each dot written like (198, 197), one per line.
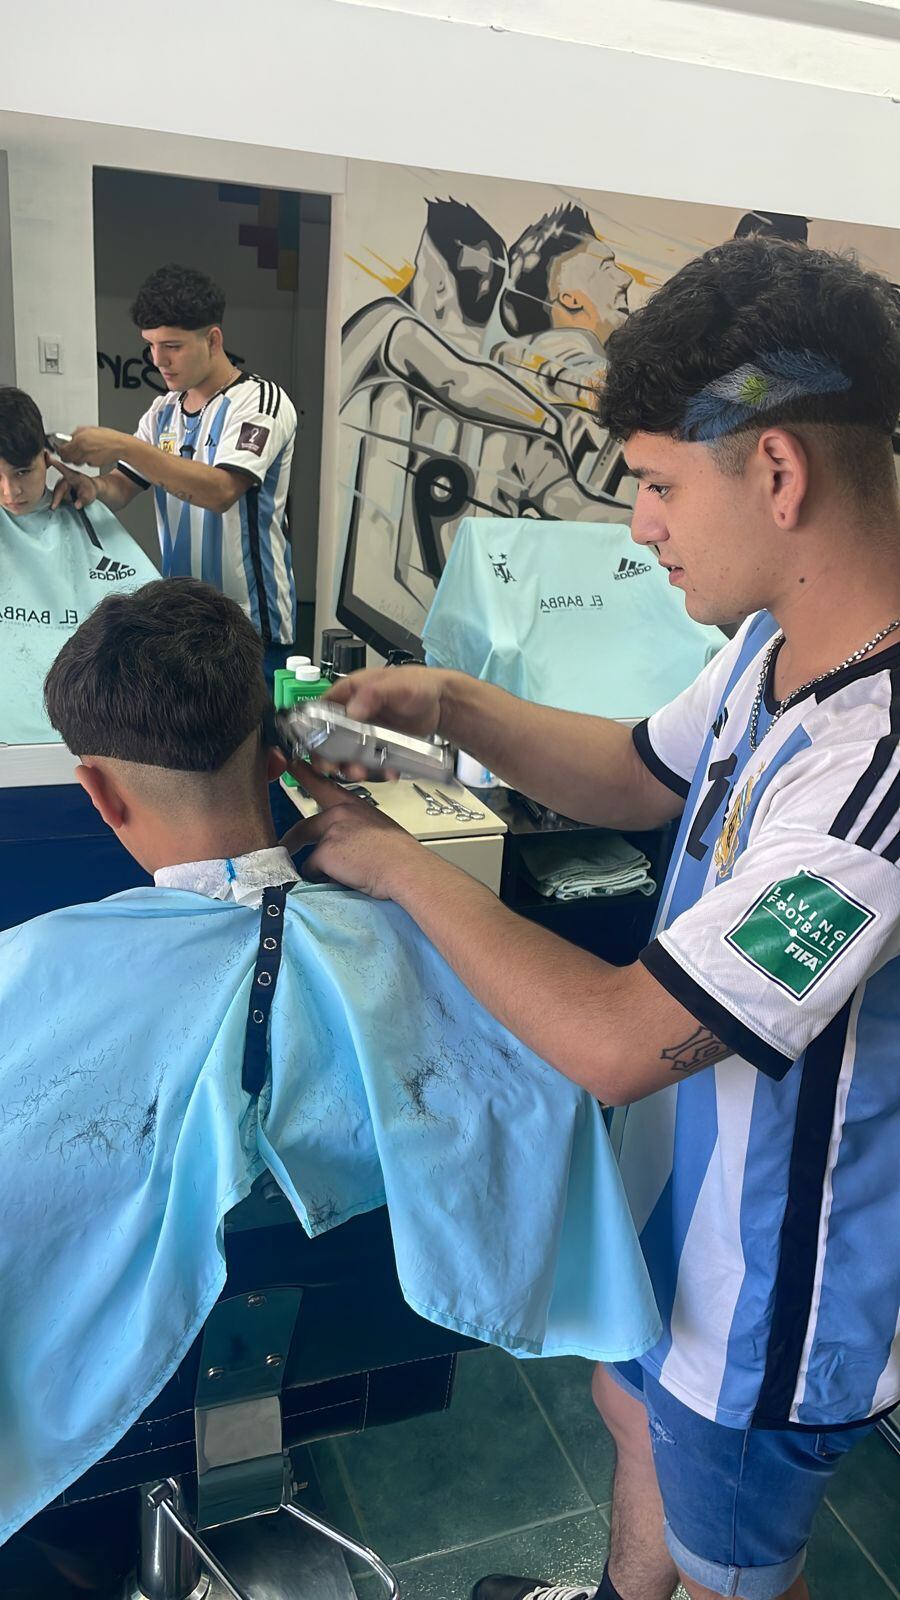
(516, 1477)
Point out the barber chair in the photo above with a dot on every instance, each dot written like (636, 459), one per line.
(310, 1338)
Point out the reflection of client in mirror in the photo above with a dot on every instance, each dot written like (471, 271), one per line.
(55, 564)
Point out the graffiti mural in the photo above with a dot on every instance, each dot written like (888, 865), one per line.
(471, 355)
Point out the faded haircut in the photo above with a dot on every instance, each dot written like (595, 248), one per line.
(169, 676)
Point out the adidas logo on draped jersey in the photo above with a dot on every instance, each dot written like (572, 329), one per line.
(111, 571)
(631, 569)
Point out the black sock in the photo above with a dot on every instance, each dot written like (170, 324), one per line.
(607, 1589)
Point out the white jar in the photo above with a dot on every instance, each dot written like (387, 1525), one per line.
(473, 775)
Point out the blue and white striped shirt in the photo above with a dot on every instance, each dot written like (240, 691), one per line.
(244, 551)
(766, 1190)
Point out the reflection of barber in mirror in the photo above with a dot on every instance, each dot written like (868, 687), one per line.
(218, 445)
(55, 565)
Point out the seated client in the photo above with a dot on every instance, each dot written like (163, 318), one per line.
(55, 564)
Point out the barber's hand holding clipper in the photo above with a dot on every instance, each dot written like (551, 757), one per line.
(407, 700)
(352, 842)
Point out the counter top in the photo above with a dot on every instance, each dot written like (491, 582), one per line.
(403, 805)
(29, 766)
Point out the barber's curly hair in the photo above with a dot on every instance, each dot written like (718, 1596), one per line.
(737, 302)
(178, 297)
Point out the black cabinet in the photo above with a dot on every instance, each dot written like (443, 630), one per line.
(55, 850)
(615, 927)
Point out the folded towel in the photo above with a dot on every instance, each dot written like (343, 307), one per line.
(572, 868)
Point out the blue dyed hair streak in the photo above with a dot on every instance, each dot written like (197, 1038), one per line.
(758, 388)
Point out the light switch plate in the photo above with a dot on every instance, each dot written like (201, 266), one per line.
(50, 354)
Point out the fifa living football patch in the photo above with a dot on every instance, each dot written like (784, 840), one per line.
(797, 929)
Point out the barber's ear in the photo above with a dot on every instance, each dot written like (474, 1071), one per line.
(786, 465)
(571, 301)
(103, 795)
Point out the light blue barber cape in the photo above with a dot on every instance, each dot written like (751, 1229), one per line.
(126, 1136)
(568, 614)
(55, 567)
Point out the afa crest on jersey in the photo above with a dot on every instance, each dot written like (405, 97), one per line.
(726, 850)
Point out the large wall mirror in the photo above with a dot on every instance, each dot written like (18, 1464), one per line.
(472, 315)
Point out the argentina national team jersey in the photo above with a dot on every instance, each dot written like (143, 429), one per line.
(243, 551)
(766, 1189)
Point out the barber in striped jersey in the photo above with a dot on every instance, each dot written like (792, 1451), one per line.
(216, 450)
(756, 1043)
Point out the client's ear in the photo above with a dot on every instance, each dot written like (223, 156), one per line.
(103, 794)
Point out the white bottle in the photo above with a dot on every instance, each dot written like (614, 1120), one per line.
(472, 775)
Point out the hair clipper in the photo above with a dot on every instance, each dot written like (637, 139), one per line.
(321, 728)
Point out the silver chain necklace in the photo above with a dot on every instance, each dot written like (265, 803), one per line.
(789, 700)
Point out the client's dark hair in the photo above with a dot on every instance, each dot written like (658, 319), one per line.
(169, 676)
(178, 297)
(22, 436)
(733, 306)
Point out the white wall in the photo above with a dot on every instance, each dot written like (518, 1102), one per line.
(7, 327)
(845, 44)
(358, 81)
(315, 309)
(52, 251)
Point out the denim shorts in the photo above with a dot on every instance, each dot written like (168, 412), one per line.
(739, 1503)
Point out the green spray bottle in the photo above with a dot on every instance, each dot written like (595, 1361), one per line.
(305, 683)
(284, 675)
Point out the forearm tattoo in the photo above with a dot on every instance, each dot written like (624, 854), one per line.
(694, 1053)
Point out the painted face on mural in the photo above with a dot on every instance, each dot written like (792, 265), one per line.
(184, 356)
(456, 300)
(588, 289)
(712, 531)
(21, 488)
